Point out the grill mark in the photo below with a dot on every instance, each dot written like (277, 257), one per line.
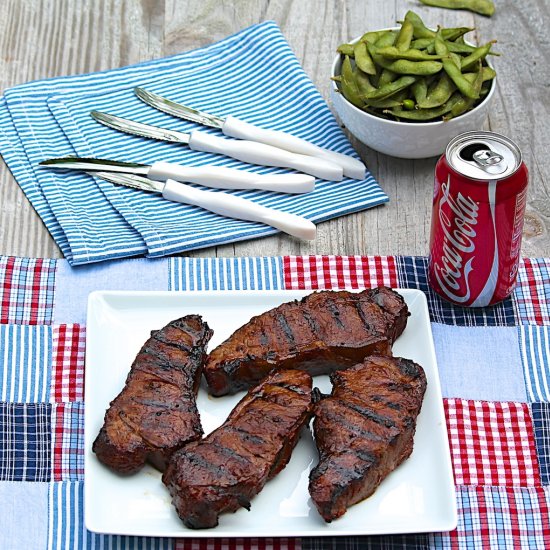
(264, 339)
(283, 323)
(227, 452)
(341, 419)
(397, 388)
(390, 404)
(198, 461)
(362, 316)
(311, 321)
(370, 414)
(255, 438)
(335, 312)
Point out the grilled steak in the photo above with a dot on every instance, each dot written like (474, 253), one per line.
(322, 332)
(364, 430)
(222, 472)
(155, 413)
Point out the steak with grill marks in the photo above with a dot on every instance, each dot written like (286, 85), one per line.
(224, 471)
(156, 413)
(322, 332)
(364, 430)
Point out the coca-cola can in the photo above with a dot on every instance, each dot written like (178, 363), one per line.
(477, 219)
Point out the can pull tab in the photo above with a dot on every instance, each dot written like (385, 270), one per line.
(483, 156)
(487, 157)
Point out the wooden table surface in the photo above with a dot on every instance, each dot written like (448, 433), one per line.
(47, 38)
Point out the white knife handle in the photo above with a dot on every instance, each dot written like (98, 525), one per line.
(233, 127)
(220, 177)
(265, 155)
(242, 209)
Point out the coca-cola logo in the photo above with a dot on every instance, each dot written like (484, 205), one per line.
(457, 222)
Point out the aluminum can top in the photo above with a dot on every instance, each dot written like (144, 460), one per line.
(483, 156)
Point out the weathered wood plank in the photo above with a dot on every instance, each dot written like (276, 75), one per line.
(45, 38)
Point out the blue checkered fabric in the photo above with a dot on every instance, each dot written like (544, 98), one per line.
(413, 273)
(541, 426)
(386, 542)
(25, 442)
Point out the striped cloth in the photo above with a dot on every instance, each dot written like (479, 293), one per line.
(253, 75)
(493, 363)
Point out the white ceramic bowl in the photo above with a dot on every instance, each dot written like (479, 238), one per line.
(410, 140)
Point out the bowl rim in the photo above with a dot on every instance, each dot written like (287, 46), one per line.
(437, 123)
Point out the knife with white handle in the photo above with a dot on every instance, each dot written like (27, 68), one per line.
(219, 203)
(217, 177)
(246, 151)
(234, 127)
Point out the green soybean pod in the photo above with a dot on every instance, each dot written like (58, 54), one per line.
(388, 103)
(348, 84)
(453, 34)
(392, 88)
(419, 68)
(467, 103)
(483, 7)
(454, 72)
(419, 89)
(477, 55)
(386, 76)
(487, 74)
(392, 52)
(453, 47)
(404, 38)
(420, 30)
(386, 38)
(364, 85)
(371, 36)
(420, 115)
(363, 60)
(422, 44)
(346, 49)
(439, 94)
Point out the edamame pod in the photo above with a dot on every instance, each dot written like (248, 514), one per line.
(483, 7)
(452, 70)
(348, 84)
(477, 55)
(391, 88)
(403, 40)
(420, 115)
(392, 52)
(346, 49)
(440, 93)
(363, 60)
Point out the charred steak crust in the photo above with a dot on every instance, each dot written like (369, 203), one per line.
(224, 471)
(322, 332)
(364, 430)
(156, 413)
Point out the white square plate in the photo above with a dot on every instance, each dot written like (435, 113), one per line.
(419, 496)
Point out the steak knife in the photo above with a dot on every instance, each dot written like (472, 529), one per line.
(219, 203)
(218, 177)
(247, 151)
(234, 127)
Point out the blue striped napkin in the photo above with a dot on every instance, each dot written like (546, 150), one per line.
(253, 75)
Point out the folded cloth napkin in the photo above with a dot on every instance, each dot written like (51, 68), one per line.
(253, 75)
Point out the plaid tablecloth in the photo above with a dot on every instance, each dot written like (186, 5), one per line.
(494, 367)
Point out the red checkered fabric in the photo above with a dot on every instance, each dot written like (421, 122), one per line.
(532, 293)
(68, 441)
(238, 544)
(68, 363)
(325, 272)
(492, 443)
(26, 290)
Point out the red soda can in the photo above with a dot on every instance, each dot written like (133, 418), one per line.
(477, 219)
